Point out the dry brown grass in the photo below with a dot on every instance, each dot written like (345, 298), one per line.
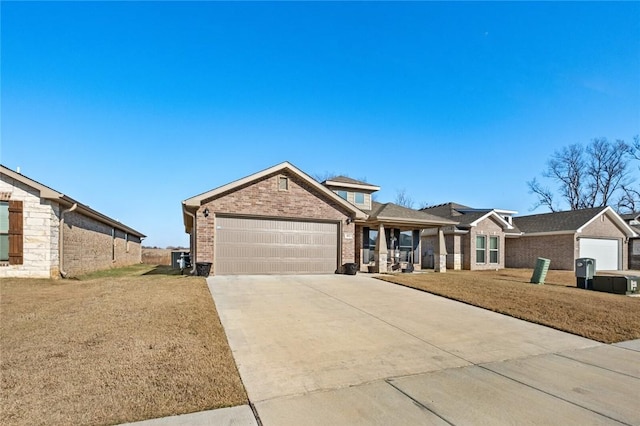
(558, 303)
(122, 347)
(152, 256)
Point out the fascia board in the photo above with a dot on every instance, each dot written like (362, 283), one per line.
(371, 188)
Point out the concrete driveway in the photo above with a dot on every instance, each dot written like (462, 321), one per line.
(355, 350)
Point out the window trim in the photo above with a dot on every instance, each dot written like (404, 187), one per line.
(482, 249)
(281, 180)
(496, 250)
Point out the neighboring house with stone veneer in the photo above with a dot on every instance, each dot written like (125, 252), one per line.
(280, 220)
(563, 237)
(476, 242)
(633, 220)
(46, 234)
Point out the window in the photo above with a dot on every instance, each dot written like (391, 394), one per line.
(406, 246)
(283, 183)
(493, 250)
(11, 232)
(342, 194)
(480, 248)
(4, 231)
(126, 242)
(359, 198)
(369, 237)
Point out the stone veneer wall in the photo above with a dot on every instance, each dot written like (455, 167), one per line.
(263, 198)
(40, 233)
(89, 246)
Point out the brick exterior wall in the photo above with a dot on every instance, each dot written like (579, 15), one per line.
(522, 252)
(263, 198)
(40, 233)
(89, 246)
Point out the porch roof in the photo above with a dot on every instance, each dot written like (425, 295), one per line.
(396, 214)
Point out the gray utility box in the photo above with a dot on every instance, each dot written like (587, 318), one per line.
(616, 284)
(585, 271)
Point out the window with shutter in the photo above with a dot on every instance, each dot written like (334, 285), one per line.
(16, 256)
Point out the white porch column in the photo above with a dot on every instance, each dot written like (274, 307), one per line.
(440, 255)
(380, 253)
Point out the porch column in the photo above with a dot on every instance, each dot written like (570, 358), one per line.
(440, 255)
(380, 252)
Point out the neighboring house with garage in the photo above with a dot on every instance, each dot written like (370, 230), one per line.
(47, 234)
(563, 237)
(476, 242)
(280, 220)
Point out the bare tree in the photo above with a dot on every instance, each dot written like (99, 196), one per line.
(402, 199)
(585, 177)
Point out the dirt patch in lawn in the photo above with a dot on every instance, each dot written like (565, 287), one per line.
(558, 303)
(110, 348)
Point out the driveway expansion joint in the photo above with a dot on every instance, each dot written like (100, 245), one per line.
(551, 394)
(418, 403)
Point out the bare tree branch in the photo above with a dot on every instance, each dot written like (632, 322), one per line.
(588, 177)
(402, 199)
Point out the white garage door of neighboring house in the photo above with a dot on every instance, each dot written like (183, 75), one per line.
(605, 252)
(269, 246)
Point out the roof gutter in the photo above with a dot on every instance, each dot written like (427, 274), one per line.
(63, 273)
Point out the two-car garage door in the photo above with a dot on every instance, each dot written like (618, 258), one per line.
(606, 252)
(270, 246)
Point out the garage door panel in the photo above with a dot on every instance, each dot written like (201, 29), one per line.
(605, 251)
(266, 246)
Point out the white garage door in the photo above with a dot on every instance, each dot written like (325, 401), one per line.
(268, 246)
(605, 252)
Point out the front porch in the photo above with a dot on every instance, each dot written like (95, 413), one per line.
(389, 247)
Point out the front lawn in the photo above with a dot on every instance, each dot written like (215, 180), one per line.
(117, 346)
(558, 303)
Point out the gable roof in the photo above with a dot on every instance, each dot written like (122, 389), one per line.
(467, 216)
(196, 201)
(393, 212)
(567, 221)
(48, 193)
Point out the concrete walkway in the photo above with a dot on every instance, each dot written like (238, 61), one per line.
(346, 350)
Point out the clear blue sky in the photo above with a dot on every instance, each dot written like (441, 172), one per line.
(133, 107)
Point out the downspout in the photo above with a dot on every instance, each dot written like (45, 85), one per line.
(193, 241)
(63, 274)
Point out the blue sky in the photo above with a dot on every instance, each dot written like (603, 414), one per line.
(133, 107)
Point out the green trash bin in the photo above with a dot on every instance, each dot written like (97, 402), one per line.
(540, 271)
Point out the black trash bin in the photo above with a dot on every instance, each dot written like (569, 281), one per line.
(350, 268)
(203, 269)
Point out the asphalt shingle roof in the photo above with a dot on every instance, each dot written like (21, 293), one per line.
(446, 209)
(558, 221)
(391, 210)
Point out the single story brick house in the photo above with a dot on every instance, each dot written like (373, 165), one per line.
(280, 220)
(476, 242)
(46, 234)
(563, 237)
